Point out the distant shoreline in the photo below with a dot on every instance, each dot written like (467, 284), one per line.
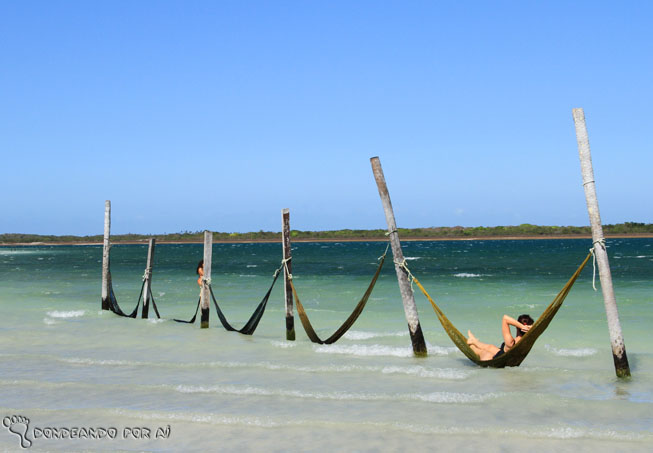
(524, 231)
(332, 240)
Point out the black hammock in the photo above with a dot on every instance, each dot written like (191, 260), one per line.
(251, 325)
(520, 350)
(312, 335)
(114, 307)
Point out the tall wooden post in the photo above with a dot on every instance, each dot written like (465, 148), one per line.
(416, 336)
(616, 339)
(206, 294)
(287, 290)
(106, 246)
(147, 287)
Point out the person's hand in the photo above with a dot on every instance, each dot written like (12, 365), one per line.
(526, 328)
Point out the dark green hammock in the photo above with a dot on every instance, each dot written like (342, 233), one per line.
(251, 324)
(191, 320)
(515, 355)
(312, 335)
(113, 302)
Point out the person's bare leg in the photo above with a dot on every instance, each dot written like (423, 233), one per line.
(485, 351)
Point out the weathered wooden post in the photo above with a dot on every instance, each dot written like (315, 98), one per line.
(287, 289)
(416, 336)
(105, 256)
(616, 339)
(206, 281)
(147, 287)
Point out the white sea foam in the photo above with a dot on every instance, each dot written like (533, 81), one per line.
(364, 350)
(454, 397)
(83, 361)
(411, 258)
(440, 350)
(568, 432)
(353, 335)
(420, 371)
(562, 432)
(260, 422)
(580, 352)
(283, 344)
(417, 370)
(156, 320)
(66, 314)
(24, 252)
(558, 433)
(49, 321)
(520, 306)
(435, 397)
(358, 335)
(252, 265)
(468, 275)
(259, 391)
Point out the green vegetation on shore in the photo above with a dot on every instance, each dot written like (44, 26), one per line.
(458, 232)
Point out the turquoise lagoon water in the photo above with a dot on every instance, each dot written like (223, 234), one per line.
(65, 363)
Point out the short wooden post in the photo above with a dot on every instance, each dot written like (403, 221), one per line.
(407, 296)
(147, 287)
(106, 246)
(287, 290)
(206, 281)
(616, 339)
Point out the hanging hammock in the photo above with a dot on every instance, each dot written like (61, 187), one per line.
(348, 322)
(251, 325)
(515, 355)
(113, 302)
(192, 320)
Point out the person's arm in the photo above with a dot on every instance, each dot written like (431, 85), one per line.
(506, 322)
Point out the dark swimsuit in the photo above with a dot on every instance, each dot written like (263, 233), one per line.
(500, 351)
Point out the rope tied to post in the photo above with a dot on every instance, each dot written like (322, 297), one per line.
(284, 264)
(602, 243)
(404, 266)
(147, 273)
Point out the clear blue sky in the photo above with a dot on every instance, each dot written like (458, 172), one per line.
(216, 115)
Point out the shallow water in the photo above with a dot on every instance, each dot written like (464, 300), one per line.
(65, 363)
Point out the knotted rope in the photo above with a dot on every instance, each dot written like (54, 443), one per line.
(404, 266)
(602, 243)
(147, 273)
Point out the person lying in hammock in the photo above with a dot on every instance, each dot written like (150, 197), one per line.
(489, 351)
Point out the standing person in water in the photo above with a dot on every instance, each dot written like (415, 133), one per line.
(489, 351)
(200, 272)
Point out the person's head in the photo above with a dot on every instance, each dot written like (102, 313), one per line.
(527, 321)
(200, 265)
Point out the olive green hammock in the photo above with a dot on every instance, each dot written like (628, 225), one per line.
(310, 332)
(515, 355)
